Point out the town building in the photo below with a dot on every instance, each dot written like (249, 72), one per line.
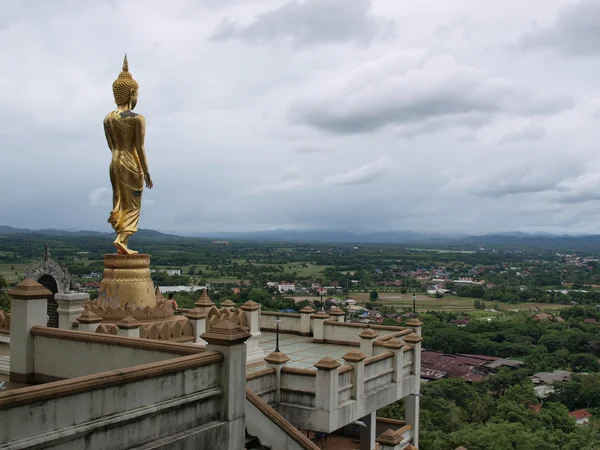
(581, 416)
(286, 286)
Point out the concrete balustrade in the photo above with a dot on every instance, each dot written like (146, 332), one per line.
(416, 325)
(28, 309)
(153, 394)
(306, 314)
(327, 382)
(412, 405)
(319, 326)
(70, 307)
(264, 383)
(367, 338)
(333, 395)
(129, 327)
(197, 318)
(229, 340)
(89, 321)
(276, 361)
(254, 352)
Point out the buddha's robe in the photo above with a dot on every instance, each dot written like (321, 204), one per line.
(125, 136)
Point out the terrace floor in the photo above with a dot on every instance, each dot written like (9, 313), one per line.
(302, 351)
(9, 385)
(337, 442)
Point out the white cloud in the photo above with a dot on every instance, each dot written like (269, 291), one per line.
(99, 197)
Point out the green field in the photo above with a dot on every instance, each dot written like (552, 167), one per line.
(12, 271)
(448, 303)
(423, 302)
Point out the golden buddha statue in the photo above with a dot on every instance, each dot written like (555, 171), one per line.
(125, 131)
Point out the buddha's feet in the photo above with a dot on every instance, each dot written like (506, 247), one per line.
(121, 244)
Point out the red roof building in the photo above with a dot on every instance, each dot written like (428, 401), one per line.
(581, 416)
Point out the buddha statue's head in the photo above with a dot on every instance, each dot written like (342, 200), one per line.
(125, 88)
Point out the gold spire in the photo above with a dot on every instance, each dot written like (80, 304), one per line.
(124, 84)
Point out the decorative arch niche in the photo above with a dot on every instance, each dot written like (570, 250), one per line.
(53, 277)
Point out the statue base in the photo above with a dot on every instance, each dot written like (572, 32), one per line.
(127, 282)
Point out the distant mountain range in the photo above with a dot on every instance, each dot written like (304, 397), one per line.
(516, 238)
(147, 234)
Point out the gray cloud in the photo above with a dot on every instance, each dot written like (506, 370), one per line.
(433, 94)
(361, 175)
(313, 147)
(289, 179)
(574, 31)
(529, 133)
(308, 23)
(579, 189)
(519, 177)
(300, 125)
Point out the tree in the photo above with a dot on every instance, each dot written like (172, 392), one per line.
(373, 296)
(584, 362)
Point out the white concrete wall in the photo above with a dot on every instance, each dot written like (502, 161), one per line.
(178, 407)
(59, 358)
(298, 389)
(267, 431)
(265, 387)
(408, 363)
(349, 332)
(344, 387)
(288, 322)
(378, 386)
(378, 374)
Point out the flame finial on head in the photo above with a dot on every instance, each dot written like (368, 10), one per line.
(124, 84)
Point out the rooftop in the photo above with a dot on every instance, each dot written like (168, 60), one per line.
(301, 350)
(580, 414)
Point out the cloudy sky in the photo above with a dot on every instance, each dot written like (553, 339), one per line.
(425, 115)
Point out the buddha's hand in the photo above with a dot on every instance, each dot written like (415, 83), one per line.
(149, 183)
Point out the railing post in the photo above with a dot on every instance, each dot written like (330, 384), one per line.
(397, 348)
(28, 308)
(415, 340)
(326, 391)
(253, 348)
(305, 315)
(367, 337)
(412, 404)
(204, 302)
(228, 304)
(230, 339)
(390, 440)
(416, 325)
(70, 307)
(338, 314)
(197, 318)
(129, 327)
(357, 360)
(319, 326)
(277, 360)
(89, 321)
